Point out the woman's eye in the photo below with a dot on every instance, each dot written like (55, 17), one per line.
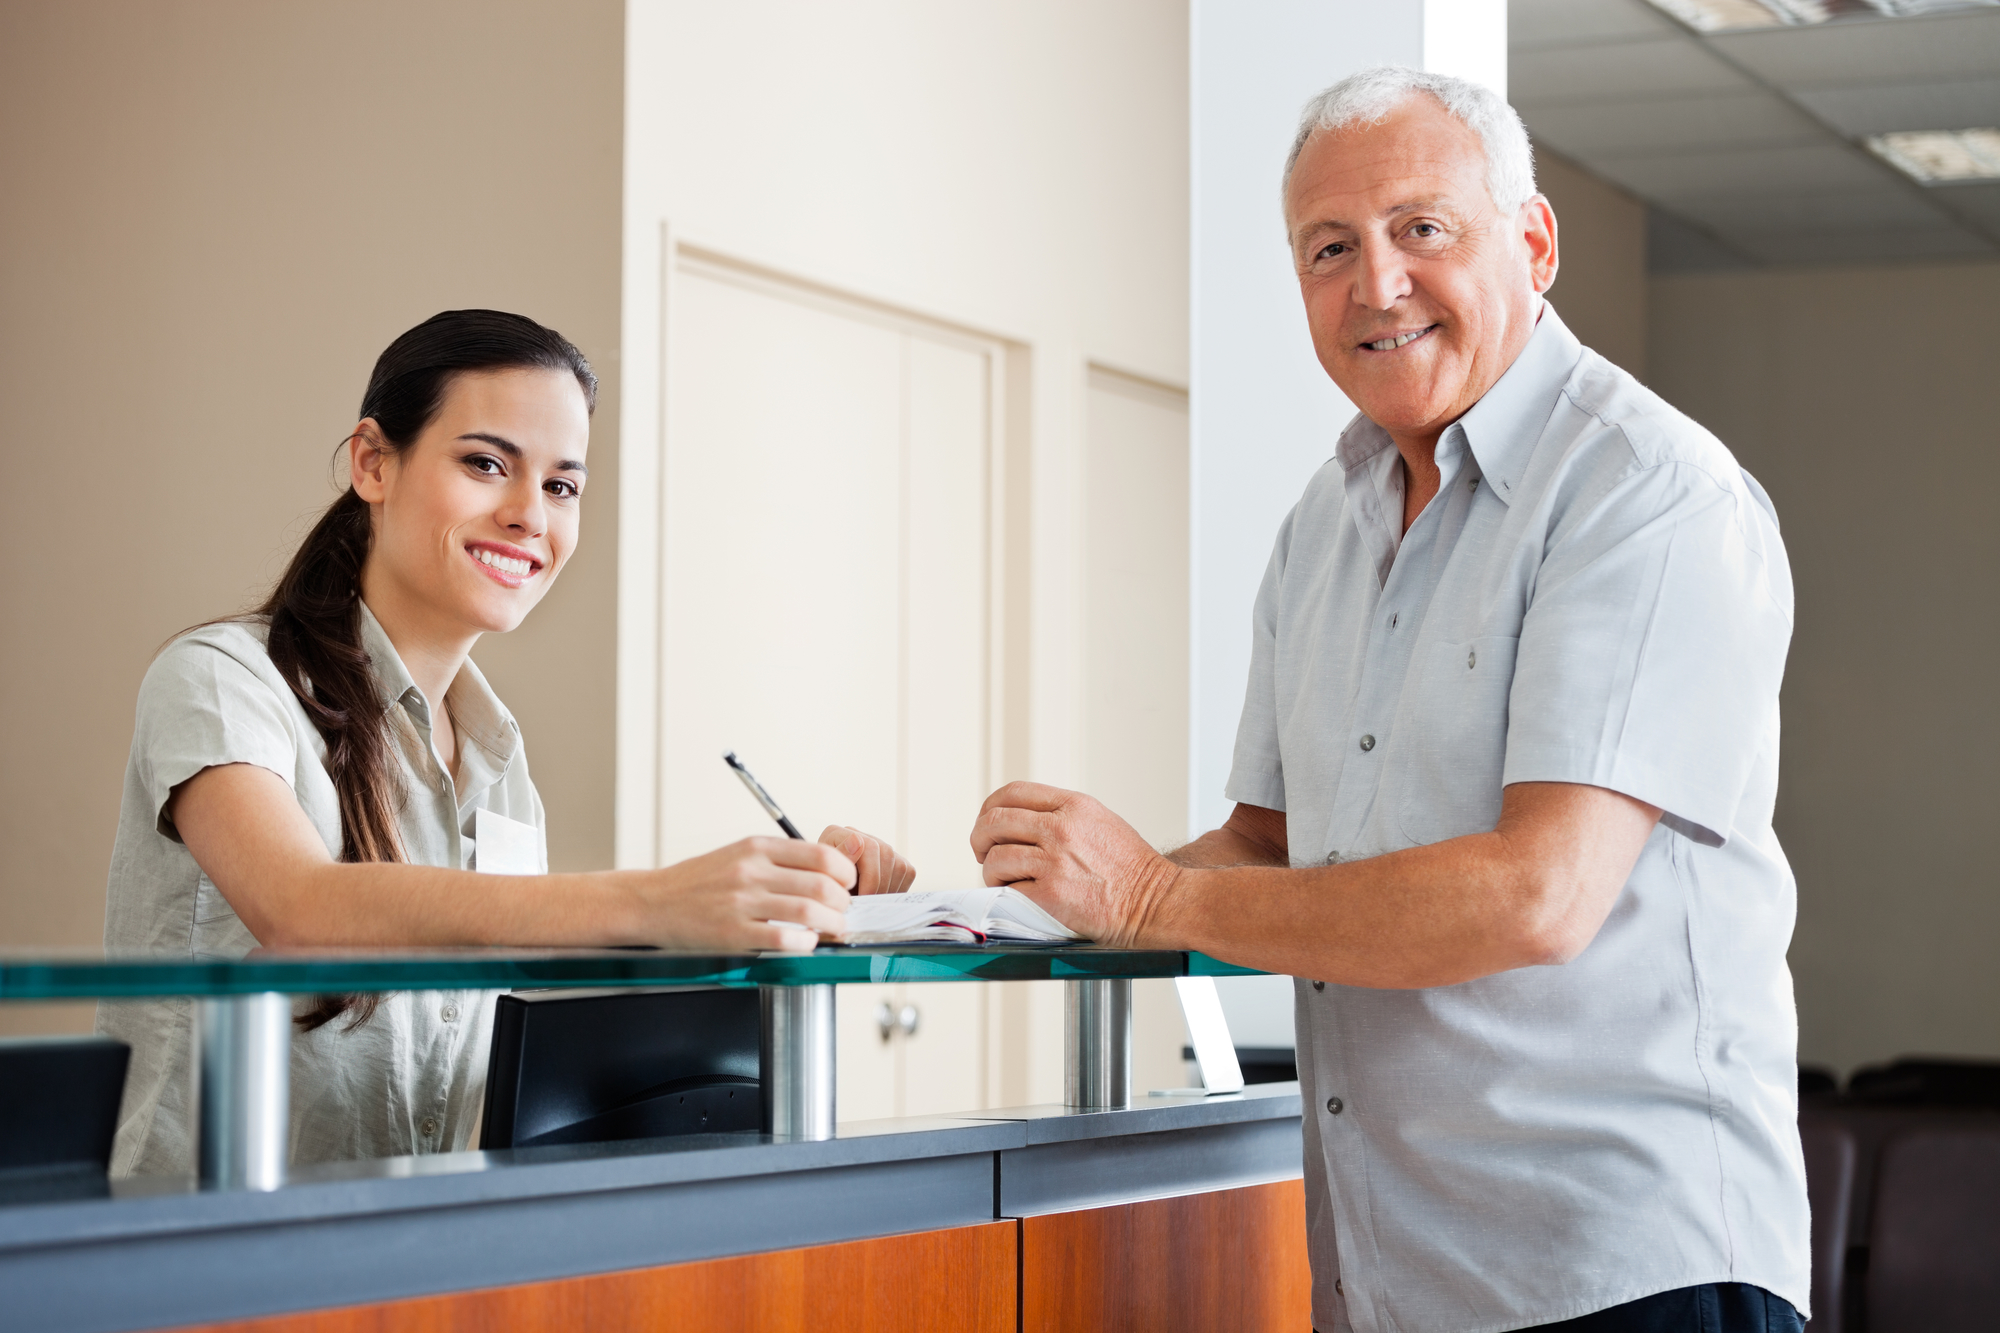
(485, 463)
(564, 490)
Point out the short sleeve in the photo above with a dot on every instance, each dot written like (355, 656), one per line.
(1653, 647)
(201, 707)
(1257, 770)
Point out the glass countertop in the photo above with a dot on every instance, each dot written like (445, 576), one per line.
(57, 975)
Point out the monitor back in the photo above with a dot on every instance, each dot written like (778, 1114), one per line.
(597, 1067)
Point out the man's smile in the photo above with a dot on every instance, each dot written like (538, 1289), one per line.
(1396, 340)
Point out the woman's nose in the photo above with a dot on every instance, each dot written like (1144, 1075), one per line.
(523, 510)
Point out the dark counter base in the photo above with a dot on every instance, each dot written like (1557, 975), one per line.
(161, 1253)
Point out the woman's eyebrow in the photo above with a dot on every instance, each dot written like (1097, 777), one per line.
(513, 450)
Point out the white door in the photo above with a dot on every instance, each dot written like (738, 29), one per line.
(826, 596)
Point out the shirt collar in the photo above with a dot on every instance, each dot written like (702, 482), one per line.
(481, 717)
(1502, 428)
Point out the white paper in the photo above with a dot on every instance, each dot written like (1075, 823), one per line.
(955, 916)
(504, 846)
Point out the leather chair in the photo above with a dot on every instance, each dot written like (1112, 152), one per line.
(58, 1114)
(1934, 1233)
(1830, 1152)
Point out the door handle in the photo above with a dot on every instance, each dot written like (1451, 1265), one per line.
(907, 1019)
(885, 1021)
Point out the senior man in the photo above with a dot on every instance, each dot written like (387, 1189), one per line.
(1503, 785)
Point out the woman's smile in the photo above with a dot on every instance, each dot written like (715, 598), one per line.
(509, 566)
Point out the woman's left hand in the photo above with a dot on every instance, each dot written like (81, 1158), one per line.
(879, 869)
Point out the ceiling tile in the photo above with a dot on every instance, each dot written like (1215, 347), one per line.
(1980, 203)
(1888, 211)
(1884, 108)
(1567, 22)
(1945, 46)
(1824, 168)
(1670, 67)
(1675, 246)
(1860, 246)
(1586, 129)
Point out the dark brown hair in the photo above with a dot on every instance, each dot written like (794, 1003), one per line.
(315, 611)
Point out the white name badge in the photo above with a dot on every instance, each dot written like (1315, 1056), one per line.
(504, 846)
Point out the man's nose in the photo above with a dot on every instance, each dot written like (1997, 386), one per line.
(1380, 278)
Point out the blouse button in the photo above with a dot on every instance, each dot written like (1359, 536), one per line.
(1334, 1106)
(1319, 985)
(449, 1013)
(1367, 743)
(1472, 659)
(430, 1126)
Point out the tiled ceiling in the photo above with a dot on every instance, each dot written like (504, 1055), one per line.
(1748, 144)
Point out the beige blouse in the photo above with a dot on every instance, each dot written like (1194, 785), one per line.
(411, 1079)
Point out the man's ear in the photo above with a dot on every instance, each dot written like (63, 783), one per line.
(1538, 231)
(367, 459)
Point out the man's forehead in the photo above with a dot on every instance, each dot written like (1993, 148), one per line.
(1420, 157)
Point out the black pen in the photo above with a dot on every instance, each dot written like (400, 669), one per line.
(763, 797)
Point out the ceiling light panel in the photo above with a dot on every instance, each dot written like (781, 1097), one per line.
(1941, 157)
(1737, 15)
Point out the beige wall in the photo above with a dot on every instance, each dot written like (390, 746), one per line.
(213, 215)
(1600, 285)
(1862, 399)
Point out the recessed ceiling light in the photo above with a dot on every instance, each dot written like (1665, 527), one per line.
(1936, 157)
(1734, 15)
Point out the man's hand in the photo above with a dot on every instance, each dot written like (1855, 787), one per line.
(1084, 865)
(881, 869)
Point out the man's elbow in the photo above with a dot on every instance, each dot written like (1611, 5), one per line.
(1559, 923)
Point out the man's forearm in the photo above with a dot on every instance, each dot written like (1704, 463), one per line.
(1450, 912)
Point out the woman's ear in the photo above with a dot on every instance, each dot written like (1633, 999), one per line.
(367, 460)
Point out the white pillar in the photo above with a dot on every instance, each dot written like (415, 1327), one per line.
(1264, 415)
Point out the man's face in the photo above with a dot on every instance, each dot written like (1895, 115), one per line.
(1419, 292)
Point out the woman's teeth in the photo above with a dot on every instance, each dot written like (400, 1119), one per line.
(1391, 344)
(505, 564)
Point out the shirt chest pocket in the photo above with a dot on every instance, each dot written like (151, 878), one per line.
(1454, 738)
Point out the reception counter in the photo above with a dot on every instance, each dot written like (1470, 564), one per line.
(1177, 1213)
(1113, 1210)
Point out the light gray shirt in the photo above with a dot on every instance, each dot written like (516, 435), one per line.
(409, 1080)
(1598, 595)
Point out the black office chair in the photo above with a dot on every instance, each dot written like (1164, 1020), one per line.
(1935, 1233)
(58, 1115)
(601, 1067)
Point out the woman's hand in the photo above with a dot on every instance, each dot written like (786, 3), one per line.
(760, 893)
(881, 870)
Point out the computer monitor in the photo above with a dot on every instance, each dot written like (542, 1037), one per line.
(600, 1066)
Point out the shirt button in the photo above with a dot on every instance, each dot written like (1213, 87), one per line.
(1334, 1106)
(1333, 858)
(1319, 985)
(1472, 659)
(449, 1013)
(1367, 743)
(430, 1125)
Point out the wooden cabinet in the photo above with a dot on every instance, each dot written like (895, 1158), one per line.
(958, 1281)
(1229, 1259)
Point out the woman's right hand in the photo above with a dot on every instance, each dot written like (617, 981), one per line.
(757, 894)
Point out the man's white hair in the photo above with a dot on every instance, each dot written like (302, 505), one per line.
(1367, 98)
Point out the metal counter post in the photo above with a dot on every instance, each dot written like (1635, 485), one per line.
(798, 1041)
(245, 1061)
(1097, 1044)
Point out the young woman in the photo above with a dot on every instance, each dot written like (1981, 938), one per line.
(334, 770)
